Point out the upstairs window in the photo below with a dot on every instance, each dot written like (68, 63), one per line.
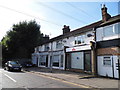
(111, 30)
(46, 47)
(58, 44)
(80, 39)
(117, 28)
(108, 31)
(37, 49)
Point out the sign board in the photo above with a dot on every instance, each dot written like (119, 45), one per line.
(79, 48)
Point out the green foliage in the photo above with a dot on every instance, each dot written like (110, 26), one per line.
(21, 40)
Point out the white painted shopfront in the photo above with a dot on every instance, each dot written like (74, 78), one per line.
(107, 66)
(79, 58)
(52, 59)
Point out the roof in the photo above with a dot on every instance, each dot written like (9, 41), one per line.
(76, 31)
(112, 20)
(86, 28)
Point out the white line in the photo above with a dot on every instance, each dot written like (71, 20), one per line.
(10, 78)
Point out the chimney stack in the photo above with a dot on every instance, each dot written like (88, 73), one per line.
(66, 29)
(105, 15)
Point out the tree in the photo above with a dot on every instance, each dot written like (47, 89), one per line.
(21, 40)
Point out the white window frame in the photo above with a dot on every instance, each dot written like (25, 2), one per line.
(42, 61)
(59, 45)
(107, 58)
(113, 30)
(80, 38)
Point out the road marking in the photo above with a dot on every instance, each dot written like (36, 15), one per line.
(10, 78)
(75, 84)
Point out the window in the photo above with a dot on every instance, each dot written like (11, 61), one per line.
(107, 61)
(43, 60)
(117, 28)
(61, 62)
(56, 61)
(58, 44)
(80, 39)
(37, 49)
(108, 31)
(46, 47)
(112, 30)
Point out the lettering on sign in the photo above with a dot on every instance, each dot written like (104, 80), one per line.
(73, 49)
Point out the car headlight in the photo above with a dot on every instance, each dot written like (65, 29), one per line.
(10, 65)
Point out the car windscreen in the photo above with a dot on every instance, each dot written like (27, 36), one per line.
(13, 62)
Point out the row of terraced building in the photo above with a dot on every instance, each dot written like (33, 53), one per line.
(94, 48)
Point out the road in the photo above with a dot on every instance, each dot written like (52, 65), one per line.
(29, 80)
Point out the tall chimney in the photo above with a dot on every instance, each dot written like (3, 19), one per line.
(105, 15)
(66, 29)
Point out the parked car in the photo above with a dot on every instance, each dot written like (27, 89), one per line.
(12, 66)
(28, 64)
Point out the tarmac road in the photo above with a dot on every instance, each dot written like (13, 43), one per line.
(28, 80)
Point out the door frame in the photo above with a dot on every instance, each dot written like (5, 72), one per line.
(87, 52)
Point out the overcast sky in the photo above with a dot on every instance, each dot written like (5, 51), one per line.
(52, 15)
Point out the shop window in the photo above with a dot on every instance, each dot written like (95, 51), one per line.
(80, 39)
(107, 61)
(42, 61)
(56, 61)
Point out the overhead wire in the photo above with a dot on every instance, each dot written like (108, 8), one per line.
(29, 15)
(68, 3)
(58, 11)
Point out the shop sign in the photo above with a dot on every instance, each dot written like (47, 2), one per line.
(79, 48)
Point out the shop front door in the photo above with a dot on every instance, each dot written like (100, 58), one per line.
(87, 61)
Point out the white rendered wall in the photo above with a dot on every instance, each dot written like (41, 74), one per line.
(107, 70)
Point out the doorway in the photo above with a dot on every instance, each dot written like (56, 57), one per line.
(87, 61)
(47, 61)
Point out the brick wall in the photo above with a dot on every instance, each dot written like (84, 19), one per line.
(108, 51)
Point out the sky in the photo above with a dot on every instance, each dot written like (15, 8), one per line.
(52, 15)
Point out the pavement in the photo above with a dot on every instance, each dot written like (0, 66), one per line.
(75, 77)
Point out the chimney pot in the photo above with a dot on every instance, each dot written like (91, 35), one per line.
(105, 15)
(66, 29)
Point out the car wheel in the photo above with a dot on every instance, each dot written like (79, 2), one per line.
(7, 69)
(4, 68)
(19, 70)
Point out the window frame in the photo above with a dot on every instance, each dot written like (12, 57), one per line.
(106, 59)
(115, 30)
(80, 39)
(42, 60)
(59, 45)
